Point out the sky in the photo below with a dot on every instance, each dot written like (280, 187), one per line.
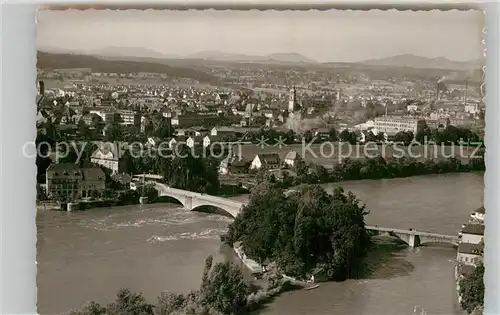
(325, 36)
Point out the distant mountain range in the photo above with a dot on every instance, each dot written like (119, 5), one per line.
(139, 53)
(134, 52)
(67, 61)
(144, 54)
(278, 57)
(413, 61)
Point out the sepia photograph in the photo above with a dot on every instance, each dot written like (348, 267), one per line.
(225, 162)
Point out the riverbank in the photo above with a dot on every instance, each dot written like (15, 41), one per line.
(116, 239)
(94, 204)
(384, 261)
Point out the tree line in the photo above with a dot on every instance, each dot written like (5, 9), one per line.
(304, 232)
(370, 168)
(187, 170)
(472, 291)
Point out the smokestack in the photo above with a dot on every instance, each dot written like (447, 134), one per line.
(437, 91)
(41, 87)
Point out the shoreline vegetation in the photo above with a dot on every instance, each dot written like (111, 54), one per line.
(224, 288)
(327, 231)
(347, 170)
(305, 233)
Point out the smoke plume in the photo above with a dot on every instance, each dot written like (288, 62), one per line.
(299, 125)
(459, 76)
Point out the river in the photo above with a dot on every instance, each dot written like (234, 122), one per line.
(89, 255)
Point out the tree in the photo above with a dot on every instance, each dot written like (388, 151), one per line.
(332, 134)
(303, 230)
(90, 308)
(423, 132)
(126, 303)
(113, 132)
(347, 136)
(206, 270)
(290, 137)
(472, 289)
(197, 174)
(129, 303)
(404, 136)
(169, 303)
(300, 167)
(308, 136)
(226, 289)
(150, 192)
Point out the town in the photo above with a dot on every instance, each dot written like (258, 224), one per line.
(83, 106)
(251, 128)
(207, 162)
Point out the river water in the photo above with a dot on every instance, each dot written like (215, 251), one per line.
(89, 255)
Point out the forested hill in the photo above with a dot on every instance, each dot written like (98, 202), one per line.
(68, 61)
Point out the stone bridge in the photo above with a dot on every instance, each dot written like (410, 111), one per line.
(415, 238)
(191, 200)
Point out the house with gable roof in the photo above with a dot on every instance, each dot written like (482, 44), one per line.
(109, 155)
(266, 161)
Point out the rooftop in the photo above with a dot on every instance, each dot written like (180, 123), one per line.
(480, 210)
(469, 248)
(63, 169)
(269, 158)
(93, 173)
(473, 228)
(292, 155)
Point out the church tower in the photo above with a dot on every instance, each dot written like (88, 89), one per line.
(292, 100)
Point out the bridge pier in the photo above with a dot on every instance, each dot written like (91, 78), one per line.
(188, 203)
(414, 240)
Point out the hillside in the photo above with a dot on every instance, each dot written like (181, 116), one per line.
(67, 61)
(413, 61)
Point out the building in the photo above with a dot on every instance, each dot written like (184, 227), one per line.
(233, 164)
(470, 254)
(129, 117)
(194, 141)
(195, 120)
(68, 181)
(62, 180)
(472, 233)
(462, 122)
(478, 215)
(109, 155)
(292, 100)
(361, 135)
(93, 180)
(412, 108)
(322, 133)
(212, 140)
(291, 158)
(391, 125)
(222, 98)
(171, 143)
(471, 108)
(437, 123)
(266, 161)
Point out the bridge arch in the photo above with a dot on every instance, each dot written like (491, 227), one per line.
(424, 240)
(220, 210)
(191, 200)
(416, 238)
